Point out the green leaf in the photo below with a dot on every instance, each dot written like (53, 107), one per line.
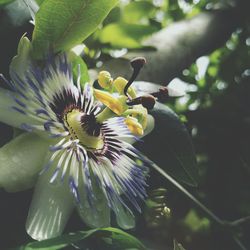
(104, 238)
(62, 24)
(4, 2)
(134, 12)
(178, 246)
(169, 146)
(196, 223)
(21, 62)
(122, 35)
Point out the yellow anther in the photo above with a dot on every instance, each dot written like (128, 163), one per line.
(117, 105)
(105, 80)
(134, 126)
(140, 113)
(120, 83)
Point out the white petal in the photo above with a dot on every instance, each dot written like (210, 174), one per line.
(99, 214)
(150, 125)
(124, 218)
(21, 160)
(96, 216)
(51, 207)
(8, 115)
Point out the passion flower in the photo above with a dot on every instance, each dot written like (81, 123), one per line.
(78, 145)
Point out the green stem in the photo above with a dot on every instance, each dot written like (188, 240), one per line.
(104, 115)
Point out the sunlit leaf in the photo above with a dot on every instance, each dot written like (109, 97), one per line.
(125, 35)
(62, 24)
(134, 12)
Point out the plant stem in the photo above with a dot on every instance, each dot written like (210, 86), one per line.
(211, 215)
(189, 195)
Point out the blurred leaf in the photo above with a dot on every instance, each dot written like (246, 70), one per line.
(104, 238)
(62, 24)
(135, 11)
(125, 35)
(177, 246)
(169, 146)
(195, 223)
(3, 2)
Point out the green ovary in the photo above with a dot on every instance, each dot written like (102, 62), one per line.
(76, 128)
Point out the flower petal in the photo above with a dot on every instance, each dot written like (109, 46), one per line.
(150, 125)
(51, 206)
(98, 213)
(7, 114)
(124, 217)
(21, 160)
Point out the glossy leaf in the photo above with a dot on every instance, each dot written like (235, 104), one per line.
(104, 238)
(170, 147)
(122, 35)
(62, 24)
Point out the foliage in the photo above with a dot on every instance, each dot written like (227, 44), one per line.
(60, 25)
(105, 238)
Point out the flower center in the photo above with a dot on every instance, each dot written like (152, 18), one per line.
(84, 128)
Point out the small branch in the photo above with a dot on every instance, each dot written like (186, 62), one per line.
(240, 221)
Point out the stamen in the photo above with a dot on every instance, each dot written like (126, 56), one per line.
(137, 63)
